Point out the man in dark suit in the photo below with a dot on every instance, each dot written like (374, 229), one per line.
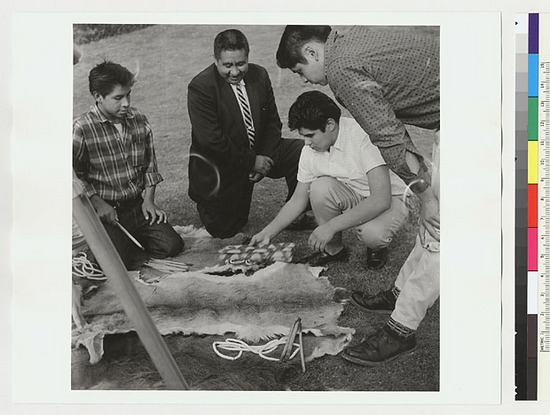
(236, 136)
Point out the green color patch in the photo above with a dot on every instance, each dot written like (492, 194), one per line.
(533, 119)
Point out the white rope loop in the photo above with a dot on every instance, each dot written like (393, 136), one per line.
(239, 346)
(83, 268)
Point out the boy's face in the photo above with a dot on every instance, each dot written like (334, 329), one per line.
(320, 141)
(114, 105)
(232, 65)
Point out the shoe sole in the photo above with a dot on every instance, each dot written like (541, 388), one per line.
(362, 362)
(355, 303)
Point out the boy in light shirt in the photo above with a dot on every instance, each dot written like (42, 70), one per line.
(344, 177)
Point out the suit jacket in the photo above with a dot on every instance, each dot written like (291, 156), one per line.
(218, 136)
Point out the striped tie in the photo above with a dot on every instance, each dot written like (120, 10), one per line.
(247, 115)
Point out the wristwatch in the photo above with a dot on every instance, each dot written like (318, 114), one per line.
(420, 184)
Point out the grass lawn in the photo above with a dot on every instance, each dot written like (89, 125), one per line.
(166, 58)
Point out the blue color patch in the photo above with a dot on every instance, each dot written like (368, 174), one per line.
(533, 88)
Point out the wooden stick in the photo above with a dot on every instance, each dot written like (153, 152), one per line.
(111, 264)
(302, 358)
(129, 235)
(290, 341)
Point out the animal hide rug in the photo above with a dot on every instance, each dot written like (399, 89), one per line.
(253, 308)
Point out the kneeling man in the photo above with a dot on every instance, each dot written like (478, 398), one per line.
(344, 177)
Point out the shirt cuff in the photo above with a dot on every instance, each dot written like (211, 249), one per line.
(89, 190)
(151, 179)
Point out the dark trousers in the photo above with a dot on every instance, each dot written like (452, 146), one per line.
(227, 220)
(159, 240)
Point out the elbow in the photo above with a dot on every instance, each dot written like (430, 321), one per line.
(384, 204)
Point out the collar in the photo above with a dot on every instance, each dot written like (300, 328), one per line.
(241, 83)
(95, 110)
(329, 46)
(338, 143)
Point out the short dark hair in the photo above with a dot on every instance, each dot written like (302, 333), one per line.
(294, 38)
(312, 110)
(230, 39)
(105, 76)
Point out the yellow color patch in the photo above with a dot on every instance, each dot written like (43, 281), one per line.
(533, 162)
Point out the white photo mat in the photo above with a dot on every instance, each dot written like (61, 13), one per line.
(470, 209)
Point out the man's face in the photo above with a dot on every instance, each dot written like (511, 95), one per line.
(313, 71)
(114, 105)
(232, 65)
(318, 140)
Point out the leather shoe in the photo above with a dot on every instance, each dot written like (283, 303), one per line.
(376, 259)
(382, 302)
(320, 259)
(381, 347)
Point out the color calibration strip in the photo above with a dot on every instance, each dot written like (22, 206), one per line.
(522, 65)
(532, 212)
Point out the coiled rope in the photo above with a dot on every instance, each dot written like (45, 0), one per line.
(84, 268)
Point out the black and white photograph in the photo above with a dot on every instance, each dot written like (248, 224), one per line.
(226, 211)
(272, 197)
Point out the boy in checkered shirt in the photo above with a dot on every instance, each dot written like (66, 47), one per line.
(114, 157)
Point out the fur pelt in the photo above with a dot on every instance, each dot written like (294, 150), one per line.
(254, 308)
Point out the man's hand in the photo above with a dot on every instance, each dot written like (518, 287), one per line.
(255, 177)
(105, 211)
(262, 165)
(153, 213)
(261, 238)
(320, 237)
(429, 215)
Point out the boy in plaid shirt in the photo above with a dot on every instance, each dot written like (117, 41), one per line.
(113, 155)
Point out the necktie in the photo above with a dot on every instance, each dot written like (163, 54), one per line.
(247, 115)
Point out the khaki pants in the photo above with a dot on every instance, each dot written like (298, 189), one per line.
(418, 279)
(329, 198)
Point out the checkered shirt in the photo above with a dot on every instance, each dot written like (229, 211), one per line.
(116, 168)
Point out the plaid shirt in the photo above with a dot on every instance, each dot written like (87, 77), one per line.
(386, 77)
(113, 167)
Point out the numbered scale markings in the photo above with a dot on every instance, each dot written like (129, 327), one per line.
(544, 209)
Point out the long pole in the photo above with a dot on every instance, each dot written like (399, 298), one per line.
(111, 264)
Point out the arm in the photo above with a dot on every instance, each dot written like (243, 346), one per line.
(290, 211)
(363, 96)
(271, 125)
(81, 164)
(429, 207)
(207, 130)
(81, 167)
(365, 100)
(152, 176)
(378, 202)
